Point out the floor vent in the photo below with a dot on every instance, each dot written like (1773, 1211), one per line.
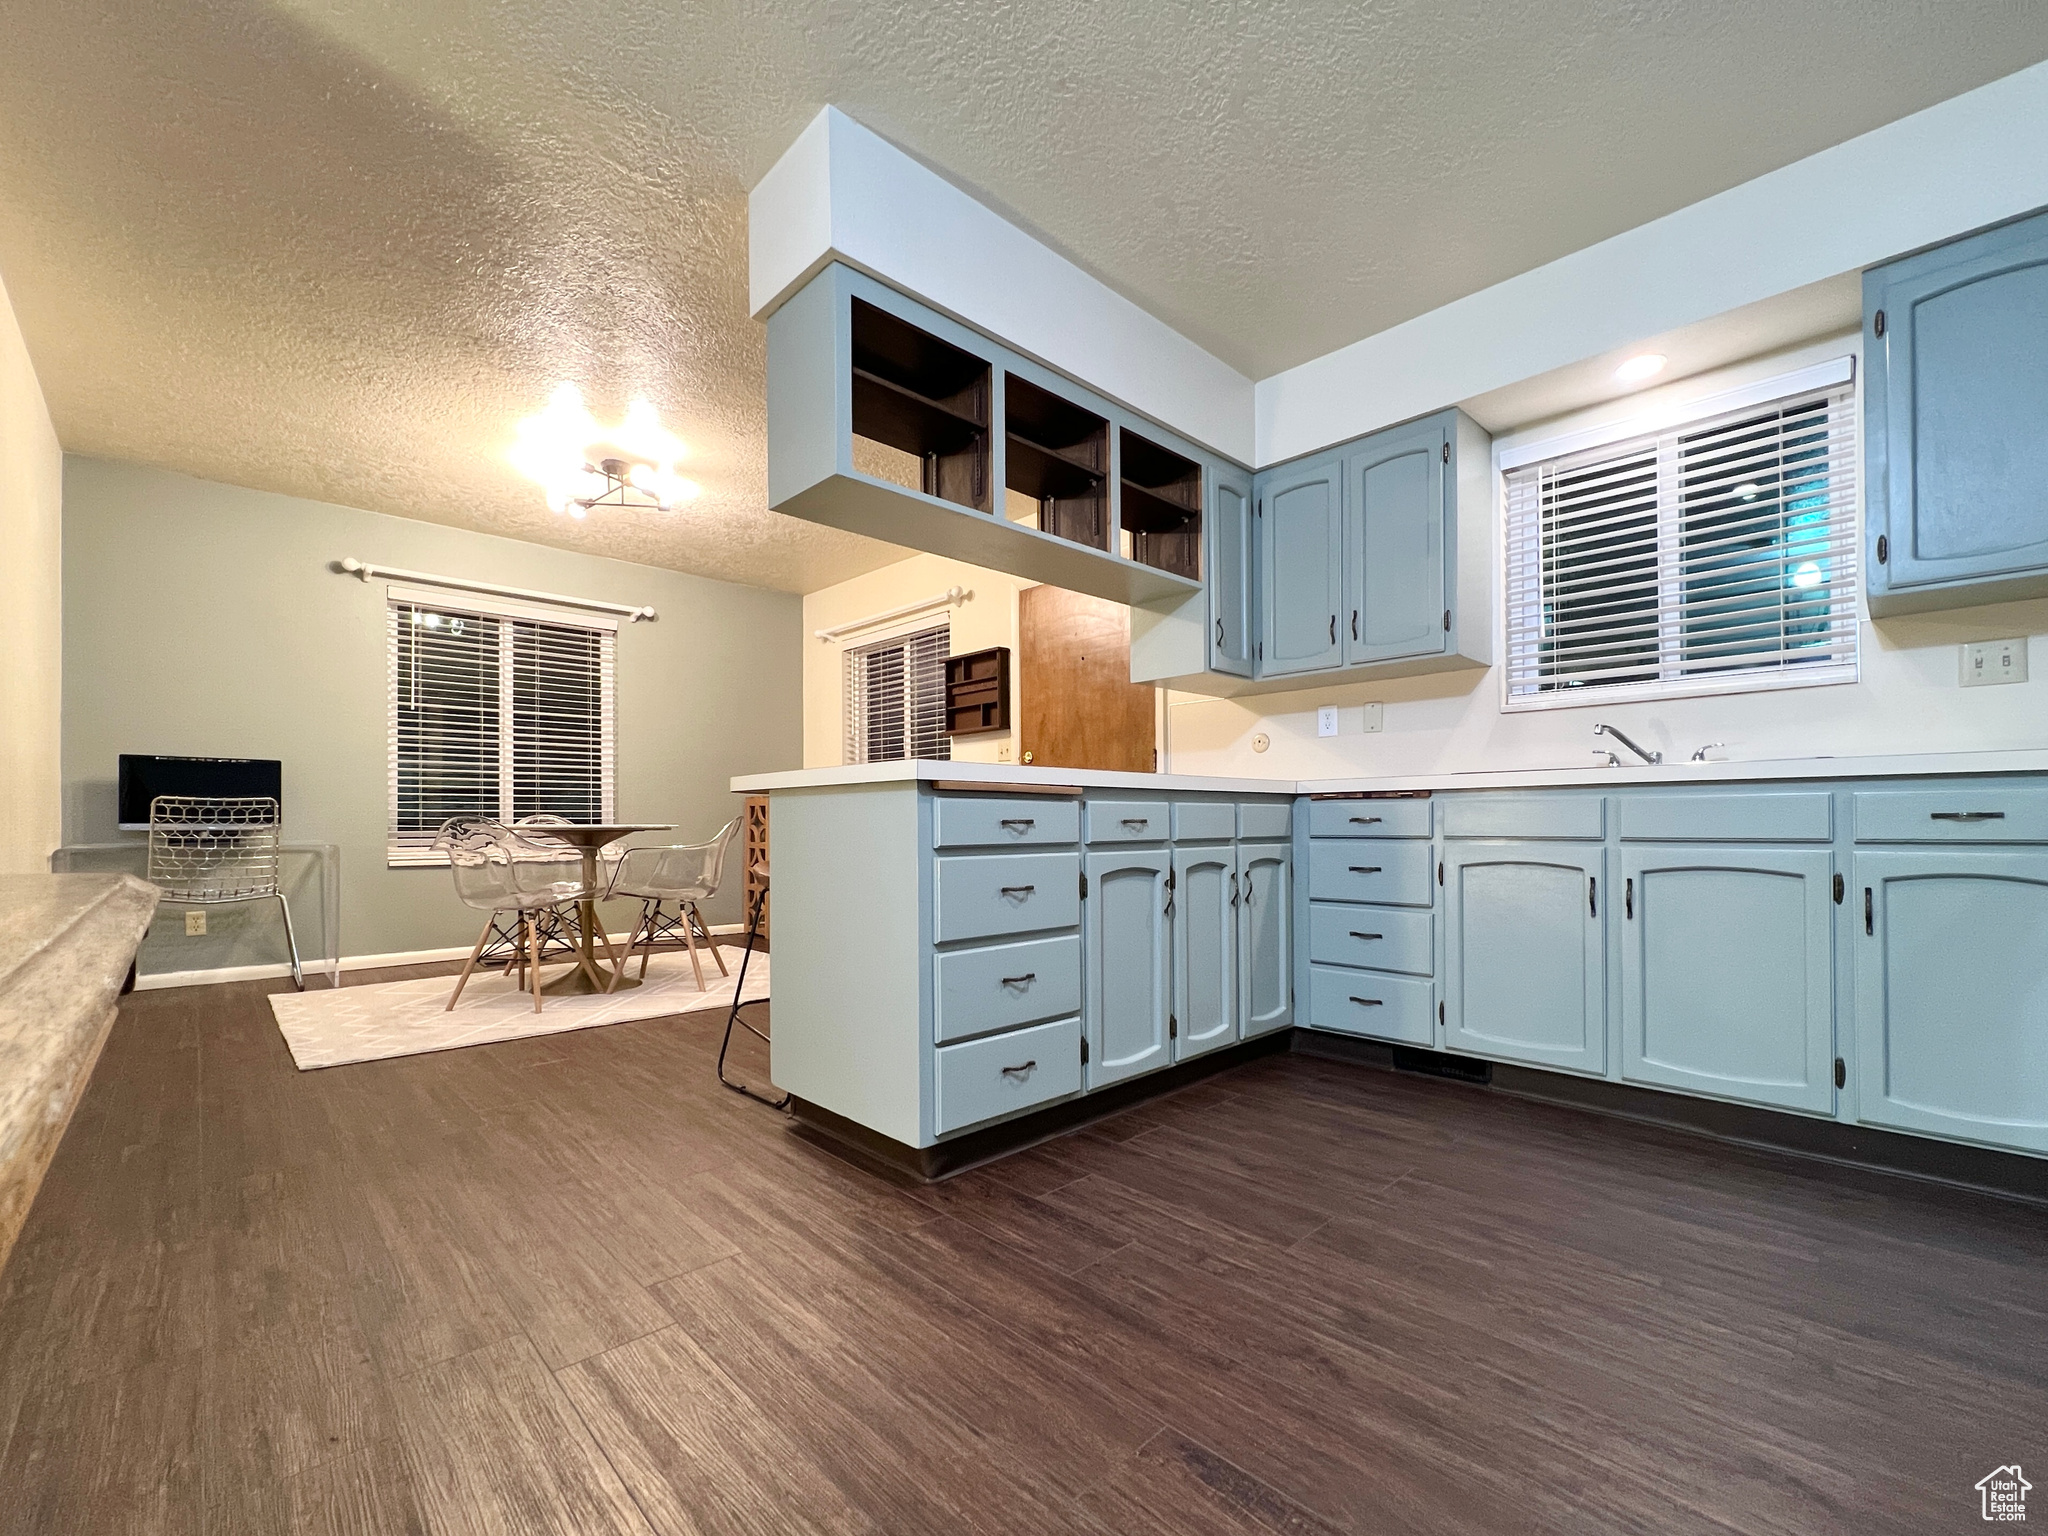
(1465, 1069)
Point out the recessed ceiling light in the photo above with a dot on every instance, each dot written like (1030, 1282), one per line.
(1646, 366)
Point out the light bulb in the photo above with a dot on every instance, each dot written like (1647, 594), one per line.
(1645, 366)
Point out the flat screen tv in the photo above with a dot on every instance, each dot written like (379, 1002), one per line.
(144, 778)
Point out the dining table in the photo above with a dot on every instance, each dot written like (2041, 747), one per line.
(587, 838)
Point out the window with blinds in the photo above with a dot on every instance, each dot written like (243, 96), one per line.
(896, 698)
(495, 715)
(1711, 557)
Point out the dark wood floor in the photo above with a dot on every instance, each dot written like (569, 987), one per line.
(570, 1285)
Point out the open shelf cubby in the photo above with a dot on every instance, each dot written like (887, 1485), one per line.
(1162, 507)
(1057, 454)
(978, 692)
(924, 397)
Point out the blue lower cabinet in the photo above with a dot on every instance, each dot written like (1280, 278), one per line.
(1000, 986)
(1205, 903)
(1129, 994)
(1378, 870)
(1386, 1007)
(1374, 938)
(1004, 1074)
(1727, 972)
(1951, 998)
(1265, 937)
(1525, 958)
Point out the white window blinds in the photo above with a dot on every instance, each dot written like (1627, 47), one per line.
(1710, 557)
(896, 698)
(495, 715)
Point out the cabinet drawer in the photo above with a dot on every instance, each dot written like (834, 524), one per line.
(1383, 938)
(1127, 821)
(1372, 1003)
(978, 823)
(1371, 818)
(978, 991)
(980, 896)
(1792, 816)
(1403, 874)
(982, 1079)
(1538, 816)
(1266, 819)
(1994, 813)
(1204, 821)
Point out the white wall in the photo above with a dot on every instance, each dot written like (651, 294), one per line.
(1908, 698)
(31, 611)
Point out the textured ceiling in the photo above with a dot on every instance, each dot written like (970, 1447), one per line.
(338, 249)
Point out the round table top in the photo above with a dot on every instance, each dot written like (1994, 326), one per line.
(594, 834)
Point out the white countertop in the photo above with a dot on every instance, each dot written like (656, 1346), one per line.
(1910, 765)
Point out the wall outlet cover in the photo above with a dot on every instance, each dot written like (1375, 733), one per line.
(1988, 662)
(1326, 720)
(1375, 718)
(195, 922)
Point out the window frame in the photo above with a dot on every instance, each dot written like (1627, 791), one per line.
(406, 850)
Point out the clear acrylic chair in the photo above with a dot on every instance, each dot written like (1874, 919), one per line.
(668, 883)
(209, 851)
(558, 925)
(518, 882)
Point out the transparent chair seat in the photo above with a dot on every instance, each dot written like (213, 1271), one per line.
(496, 868)
(689, 872)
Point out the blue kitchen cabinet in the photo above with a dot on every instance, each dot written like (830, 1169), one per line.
(1129, 943)
(1956, 347)
(1265, 937)
(1525, 956)
(1205, 906)
(1301, 557)
(1951, 994)
(1232, 559)
(1727, 972)
(1394, 521)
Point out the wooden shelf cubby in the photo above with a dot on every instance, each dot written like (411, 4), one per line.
(1057, 453)
(978, 692)
(1161, 498)
(926, 397)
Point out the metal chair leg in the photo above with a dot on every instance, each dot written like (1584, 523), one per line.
(291, 940)
(732, 1018)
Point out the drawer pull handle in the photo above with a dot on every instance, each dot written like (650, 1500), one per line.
(1022, 1071)
(1367, 869)
(1365, 821)
(1020, 981)
(1137, 821)
(1019, 890)
(1368, 1002)
(1233, 890)
(1018, 821)
(1357, 935)
(1966, 815)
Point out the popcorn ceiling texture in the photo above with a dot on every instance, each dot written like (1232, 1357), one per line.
(338, 250)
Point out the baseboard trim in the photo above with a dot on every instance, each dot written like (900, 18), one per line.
(151, 981)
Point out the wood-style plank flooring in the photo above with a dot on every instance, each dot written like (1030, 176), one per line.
(570, 1285)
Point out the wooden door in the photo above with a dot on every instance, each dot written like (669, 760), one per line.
(1265, 943)
(1951, 1016)
(1230, 573)
(1301, 557)
(1204, 948)
(1728, 972)
(1129, 977)
(1525, 959)
(1078, 705)
(1394, 547)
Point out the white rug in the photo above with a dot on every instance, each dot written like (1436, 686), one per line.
(326, 1027)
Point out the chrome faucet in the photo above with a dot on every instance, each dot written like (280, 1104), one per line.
(1701, 755)
(1652, 758)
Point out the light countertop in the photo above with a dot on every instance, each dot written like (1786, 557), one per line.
(1932, 764)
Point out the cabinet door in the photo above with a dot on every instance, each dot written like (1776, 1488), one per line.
(1728, 972)
(1958, 391)
(1130, 983)
(1393, 545)
(1951, 1004)
(1204, 949)
(1525, 970)
(1301, 541)
(1265, 937)
(1230, 572)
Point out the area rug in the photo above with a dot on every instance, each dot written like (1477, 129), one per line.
(327, 1027)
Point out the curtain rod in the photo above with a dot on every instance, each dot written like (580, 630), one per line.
(951, 597)
(354, 567)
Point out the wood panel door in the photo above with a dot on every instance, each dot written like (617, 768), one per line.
(1076, 700)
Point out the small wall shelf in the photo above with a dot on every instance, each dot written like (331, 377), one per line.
(978, 692)
(1056, 453)
(922, 396)
(1162, 506)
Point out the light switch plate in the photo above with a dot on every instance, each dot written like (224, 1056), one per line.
(1375, 718)
(1326, 720)
(1987, 662)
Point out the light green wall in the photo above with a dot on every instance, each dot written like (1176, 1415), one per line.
(205, 620)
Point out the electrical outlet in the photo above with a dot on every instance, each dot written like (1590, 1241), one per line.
(1326, 720)
(1375, 718)
(1994, 661)
(1003, 753)
(195, 923)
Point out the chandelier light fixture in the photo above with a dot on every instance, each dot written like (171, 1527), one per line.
(580, 464)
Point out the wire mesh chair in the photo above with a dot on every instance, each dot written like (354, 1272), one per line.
(520, 884)
(209, 851)
(668, 883)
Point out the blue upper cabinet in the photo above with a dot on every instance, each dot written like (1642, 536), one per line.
(1231, 558)
(1301, 551)
(1956, 415)
(1394, 518)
